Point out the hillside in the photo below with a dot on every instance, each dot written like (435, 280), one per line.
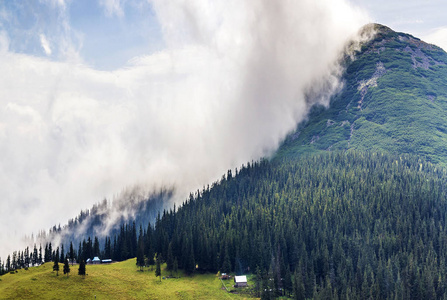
(344, 225)
(352, 206)
(394, 99)
(115, 281)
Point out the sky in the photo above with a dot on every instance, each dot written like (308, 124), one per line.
(424, 19)
(101, 97)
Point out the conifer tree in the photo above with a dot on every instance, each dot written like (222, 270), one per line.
(66, 267)
(8, 264)
(46, 256)
(158, 268)
(170, 259)
(56, 262)
(71, 253)
(226, 267)
(258, 282)
(35, 256)
(175, 267)
(62, 254)
(39, 260)
(81, 270)
(80, 256)
(140, 255)
(26, 257)
(50, 252)
(96, 251)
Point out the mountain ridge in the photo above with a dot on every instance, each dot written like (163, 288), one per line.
(392, 75)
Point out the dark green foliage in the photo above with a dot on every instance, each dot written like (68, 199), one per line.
(56, 262)
(170, 259)
(66, 267)
(343, 223)
(62, 253)
(158, 267)
(95, 249)
(226, 267)
(175, 267)
(71, 253)
(82, 269)
(140, 251)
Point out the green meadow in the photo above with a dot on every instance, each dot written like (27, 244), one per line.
(121, 280)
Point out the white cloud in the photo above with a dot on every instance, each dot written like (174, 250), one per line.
(57, 3)
(231, 84)
(438, 37)
(45, 44)
(113, 7)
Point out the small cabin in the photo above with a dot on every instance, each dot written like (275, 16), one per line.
(224, 276)
(96, 260)
(88, 261)
(106, 261)
(240, 281)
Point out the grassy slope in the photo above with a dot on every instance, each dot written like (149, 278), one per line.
(404, 113)
(116, 281)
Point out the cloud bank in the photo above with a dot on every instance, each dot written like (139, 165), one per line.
(231, 83)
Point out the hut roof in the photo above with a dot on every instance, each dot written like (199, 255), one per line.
(240, 279)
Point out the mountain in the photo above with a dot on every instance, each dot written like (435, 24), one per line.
(352, 206)
(394, 99)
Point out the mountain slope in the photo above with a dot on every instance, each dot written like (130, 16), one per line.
(339, 224)
(347, 225)
(394, 99)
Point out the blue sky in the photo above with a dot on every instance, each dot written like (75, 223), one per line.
(101, 36)
(106, 34)
(417, 17)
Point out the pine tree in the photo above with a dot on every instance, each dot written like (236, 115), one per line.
(66, 267)
(226, 267)
(258, 282)
(26, 257)
(71, 253)
(35, 256)
(175, 267)
(96, 251)
(8, 264)
(50, 252)
(56, 262)
(107, 248)
(190, 265)
(81, 270)
(46, 256)
(39, 260)
(158, 268)
(80, 252)
(170, 259)
(62, 254)
(298, 286)
(140, 254)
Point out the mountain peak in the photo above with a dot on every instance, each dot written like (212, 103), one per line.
(377, 28)
(394, 100)
(380, 35)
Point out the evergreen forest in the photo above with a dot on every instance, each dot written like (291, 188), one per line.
(350, 225)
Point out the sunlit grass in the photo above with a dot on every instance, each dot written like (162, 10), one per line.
(115, 281)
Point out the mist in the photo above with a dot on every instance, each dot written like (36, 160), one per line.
(233, 79)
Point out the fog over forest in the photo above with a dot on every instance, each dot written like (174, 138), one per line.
(231, 80)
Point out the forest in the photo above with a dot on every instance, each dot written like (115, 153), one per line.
(352, 225)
